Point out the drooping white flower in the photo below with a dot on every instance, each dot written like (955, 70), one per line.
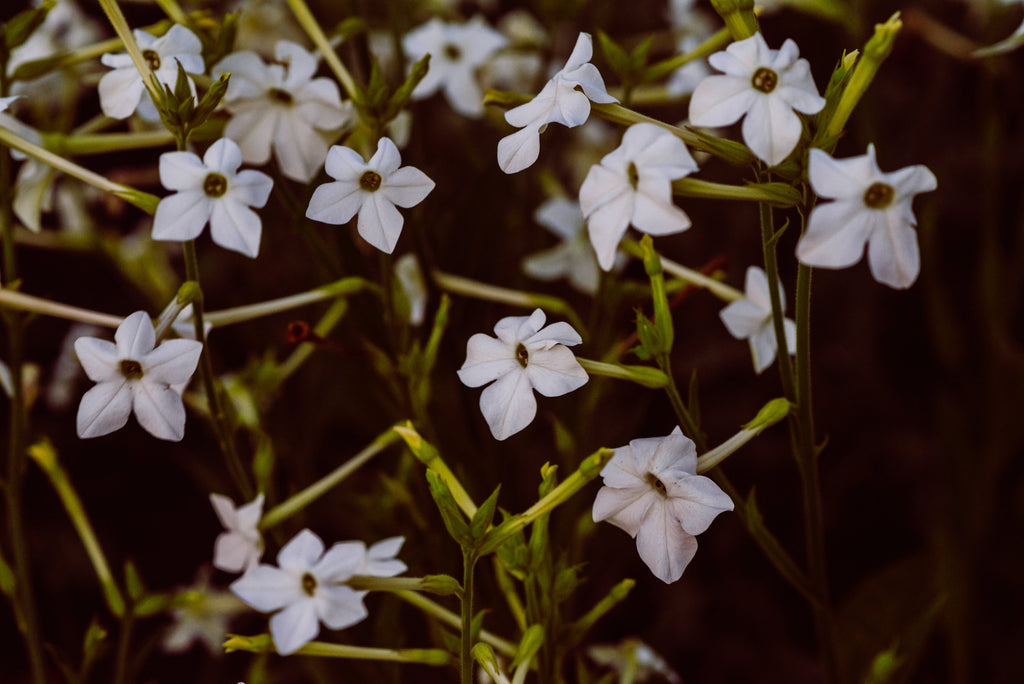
(633, 185)
(370, 189)
(691, 26)
(283, 106)
(132, 375)
(201, 614)
(212, 190)
(456, 52)
(652, 491)
(763, 84)
(409, 278)
(240, 546)
(524, 357)
(870, 207)
(633, 656)
(558, 102)
(574, 258)
(306, 589)
(122, 90)
(751, 318)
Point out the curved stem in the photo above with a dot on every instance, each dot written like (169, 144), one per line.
(466, 651)
(771, 269)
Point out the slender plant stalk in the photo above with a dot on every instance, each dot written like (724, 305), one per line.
(771, 269)
(466, 651)
(452, 620)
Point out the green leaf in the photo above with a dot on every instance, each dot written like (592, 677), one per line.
(638, 59)
(133, 581)
(617, 58)
(450, 513)
(22, 25)
(402, 94)
(482, 520)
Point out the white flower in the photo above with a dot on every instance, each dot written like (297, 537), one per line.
(380, 559)
(574, 258)
(240, 546)
(306, 589)
(282, 105)
(652, 490)
(134, 376)
(633, 656)
(870, 206)
(370, 189)
(456, 52)
(65, 29)
(524, 357)
(122, 90)
(557, 102)
(201, 614)
(6, 102)
(633, 184)
(751, 318)
(766, 86)
(409, 278)
(212, 190)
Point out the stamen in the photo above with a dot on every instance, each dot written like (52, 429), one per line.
(765, 80)
(309, 584)
(131, 369)
(656, 484)
(633, 175)
(280, 96)
(879, 195)
(370, 181)
(522, 356)
(152, 59)
(215, 185)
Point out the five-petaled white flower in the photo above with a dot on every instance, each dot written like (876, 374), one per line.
(307, 589)
(633, 184)
(765, 85)
(240, 546)
(212, 190)
(524, 357)
(751, 318)
(456, 52)
(870, 206)
(282, 105)
(133, 375)
(370, 189)
(652, 490)
(122, 90)
(574, 258)
(559, 102)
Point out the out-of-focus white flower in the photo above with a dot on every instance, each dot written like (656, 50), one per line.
(132, 375)
(652, 491)
(381, 559)
(283, 106)
(240, 546)
(574, 258)
(456, 52)
(212, 190)
(751, 318)
(870, 207)
(66, 371)
(201, 614)
(6, 102)
(692, 26)
(413, 288)
(633, 184)
(122, 90)
(370, 189)
(524, 357)
(306, 589)
(633, 660)
(764, 85)
(558, 102)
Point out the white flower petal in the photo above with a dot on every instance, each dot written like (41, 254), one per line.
(624, 507)
(135, 336)
(664, 546)
(98, 358)
(589, 79)
(223, 156)
(839, 178)
(252, 127)
(340, 607)
(340, 562)
(572, 108)
(742, 318)
(487, 359)
(406, 187)
(554, 372)
(656, 216)
(721, 100)
(836, 233)
(763, 347)
(560, 333)
(562, 216)
(386, 159)
(299, 150)
(519, 150)
(232, 552)
(182, 216)
(508, 404)
(537, 111)
(120, 91)
(912, 180)
(301, 63)
(380, 223)
(267, 588)
(251, 187)
(295, 626)
(182, 171)
(173, 362)
(299, 554)
(771, 130)
(344, 164)
(463, 93)
(607, 224)
(336, 202)
(159, 410)
(893, 253)
(696, 501)
(177, 41)
(236, 227)
(103, 409)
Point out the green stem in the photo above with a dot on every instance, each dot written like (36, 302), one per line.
(262, 643)
(239, 314)
(716, 287)
(452, 620)
(642, 375)
(16, 300)
(299, 501)
(217, 415)
(104, 143)
(686, 421)
(316, 34)
(123, 645)
(771, 269)
(466, 651)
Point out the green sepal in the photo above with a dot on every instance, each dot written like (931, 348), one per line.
(208, 103)
(651, 343)
(22, 25)
(351, 26)
(450, 513)
(401, 96)
(566, 581)
(93, 645)
(529, 644)
(617, 58)
(482, 519)
(133, 581)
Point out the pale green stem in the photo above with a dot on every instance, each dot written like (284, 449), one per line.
(299, 501)
(102, 143)
(238, 314)
(715, 287)
(173, 10)
(778, 194)
(313, 30)
(262, 643)
(642, 375)
(452, 620)
(714, 43)
(124, 32)
(771, 269)
(45, 456)
(508, 590)
(429, 456)
(10, 299)
(618, 594)
(469, 559)
(142, 200)
(477, 290)
(441, 585)
(587, 471)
